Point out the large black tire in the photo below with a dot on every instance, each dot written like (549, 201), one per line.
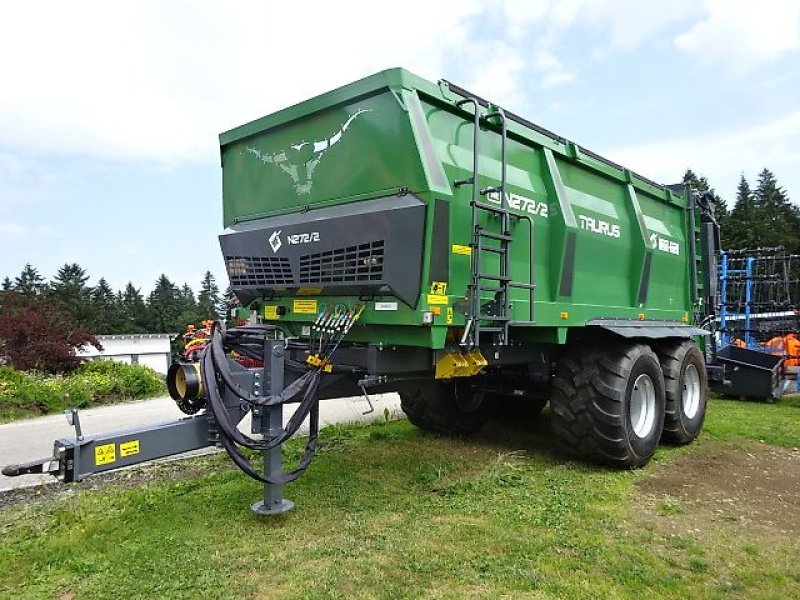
(686, 386)
(607, 403)
(445, 407)
(523, 408)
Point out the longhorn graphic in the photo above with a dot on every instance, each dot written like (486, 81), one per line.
(299, 160)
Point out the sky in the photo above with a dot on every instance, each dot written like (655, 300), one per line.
(110, 111)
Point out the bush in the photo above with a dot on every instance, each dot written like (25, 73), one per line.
(91, 384)
(36, 335)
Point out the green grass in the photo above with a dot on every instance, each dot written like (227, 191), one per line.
(774, 424)
(386, 511)
(24, 395)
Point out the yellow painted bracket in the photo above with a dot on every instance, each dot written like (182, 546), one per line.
(476, 361)
(456, 364)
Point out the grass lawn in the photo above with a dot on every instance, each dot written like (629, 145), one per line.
(387, 511)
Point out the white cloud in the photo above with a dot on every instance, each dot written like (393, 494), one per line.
(498, 74)
(552, 70)
(158, 81)
(742, 34)
(722, 157)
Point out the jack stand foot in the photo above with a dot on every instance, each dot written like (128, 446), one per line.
(282, 506)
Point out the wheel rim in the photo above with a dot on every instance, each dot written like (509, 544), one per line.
(467, 399)
(690, 397)
(643, 406)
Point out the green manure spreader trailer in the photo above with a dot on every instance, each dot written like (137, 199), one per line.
(402, 235)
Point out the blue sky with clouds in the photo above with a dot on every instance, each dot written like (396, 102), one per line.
(110, 112)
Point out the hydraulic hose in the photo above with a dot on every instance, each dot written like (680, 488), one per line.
(216, 371)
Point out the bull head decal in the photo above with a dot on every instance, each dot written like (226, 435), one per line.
(299, 161)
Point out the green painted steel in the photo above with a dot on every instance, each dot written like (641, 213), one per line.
(596, 240)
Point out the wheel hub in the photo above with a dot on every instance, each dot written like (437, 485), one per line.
(643, 406)
(690, 396)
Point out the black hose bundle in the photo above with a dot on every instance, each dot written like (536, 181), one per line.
(249, 341)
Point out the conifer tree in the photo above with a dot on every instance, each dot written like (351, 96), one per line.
(68, 288)
(29, 282)
(208, 300)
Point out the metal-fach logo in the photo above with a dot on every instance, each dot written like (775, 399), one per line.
(275, 240)
(300, 160)
(664, 245)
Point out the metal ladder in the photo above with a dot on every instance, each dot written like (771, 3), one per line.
(498, 314)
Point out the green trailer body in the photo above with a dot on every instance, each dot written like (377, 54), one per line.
(400, 235)
(594, 240)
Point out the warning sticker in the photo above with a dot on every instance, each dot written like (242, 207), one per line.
(105, 454)
(309, 291)
(459, 249)
(305, 307)
(129, 448)
(438, 287)
(271, 312)
(437, 299)
(449, 318)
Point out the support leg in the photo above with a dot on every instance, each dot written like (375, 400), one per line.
(272, 424)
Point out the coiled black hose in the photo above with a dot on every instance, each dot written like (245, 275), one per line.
(249, 341)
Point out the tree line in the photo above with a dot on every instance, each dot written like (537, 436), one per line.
(761, 216)
(101, 310)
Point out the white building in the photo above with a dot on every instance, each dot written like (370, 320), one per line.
(148, 349)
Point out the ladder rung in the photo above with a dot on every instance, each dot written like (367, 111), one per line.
(492, 318)
(499, 250)
(492, 329)
(519, 284)
(484, 288)
(505, 278)
(503, 237)
(491, 208)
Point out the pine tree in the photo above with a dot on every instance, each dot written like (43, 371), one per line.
(68, 288)
(8, 285)
(29, 282)
(701, 184)
(230, 301)
(208, 301)
(106, 313)
(163, 307)
(778, 218)
(188, 313)
(134, 310)
(743, 225)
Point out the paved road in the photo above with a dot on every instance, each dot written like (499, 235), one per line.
(28, 440)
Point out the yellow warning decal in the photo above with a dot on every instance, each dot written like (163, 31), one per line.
(105, 454)
(449, 318)
(459, 249)
(271, 312)
(129, 448)
(309, 291)
(437, 299)
(438, 287)
(304, 307)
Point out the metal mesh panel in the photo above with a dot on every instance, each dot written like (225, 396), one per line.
(363, 262)
(258, 271)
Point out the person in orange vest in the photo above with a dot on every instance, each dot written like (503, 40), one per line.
(791, 348)
(775, 345)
